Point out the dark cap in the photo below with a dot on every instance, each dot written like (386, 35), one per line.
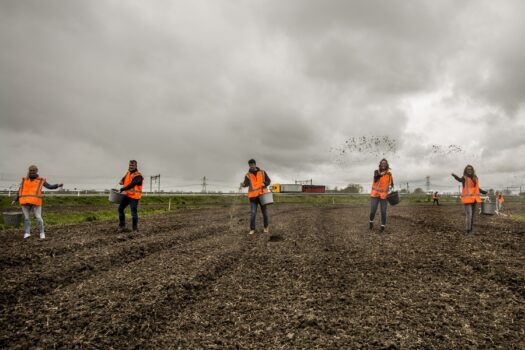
(252, 161)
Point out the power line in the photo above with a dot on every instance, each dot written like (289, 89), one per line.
(156, 179)
(204, 184)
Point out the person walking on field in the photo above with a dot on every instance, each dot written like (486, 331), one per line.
(435, 198)
(383, 183)
(132, 183)
(257, 181)
(30, 199)
(470, 195)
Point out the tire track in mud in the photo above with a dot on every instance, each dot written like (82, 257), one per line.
(270, 269)
(86, 236)
(258, 252)
(156, 293)
(459, 244)
(47, 278)
(327, 282)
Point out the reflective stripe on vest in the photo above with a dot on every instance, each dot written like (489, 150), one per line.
(466, 196)
(136, 191)
(256, 186)
(377, 191)
(26, 194)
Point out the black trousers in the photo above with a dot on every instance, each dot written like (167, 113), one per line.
(133, 204)
(374, 202)
(254, 203)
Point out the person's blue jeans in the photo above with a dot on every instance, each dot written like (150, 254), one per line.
(253, 213)
(37, 210)
(374, 202)
(133, 204)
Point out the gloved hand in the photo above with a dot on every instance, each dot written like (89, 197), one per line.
(121, 189)
(60, 185)
(13, 203)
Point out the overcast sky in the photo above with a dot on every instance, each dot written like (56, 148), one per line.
(196, 88)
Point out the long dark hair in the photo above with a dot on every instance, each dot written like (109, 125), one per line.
(387, 165)
(473, 171)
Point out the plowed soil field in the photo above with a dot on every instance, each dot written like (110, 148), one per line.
(194, 279)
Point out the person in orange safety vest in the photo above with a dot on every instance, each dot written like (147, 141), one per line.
(30, 199)
(470, 195)
(499, 201)
(382, 184)
(132, 188)
(257, 181)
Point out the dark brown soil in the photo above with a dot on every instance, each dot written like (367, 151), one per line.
(195, 279)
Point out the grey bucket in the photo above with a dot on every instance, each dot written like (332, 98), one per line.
(266, 198)
(393, 198)
(12, 218)
(488, 208)
(116, 197)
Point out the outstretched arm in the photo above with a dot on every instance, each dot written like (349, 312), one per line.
(52, 187)
(459, 179)
(246, 182)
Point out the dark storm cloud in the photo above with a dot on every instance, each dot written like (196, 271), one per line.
(197, 88)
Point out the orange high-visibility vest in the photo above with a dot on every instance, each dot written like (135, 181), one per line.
(30, 191)
(256, 187)
(470, 193)
(136, 191)
(501, 199)
(380, 188)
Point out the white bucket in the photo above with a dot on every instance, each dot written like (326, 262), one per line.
(116, 197)
(266, 198)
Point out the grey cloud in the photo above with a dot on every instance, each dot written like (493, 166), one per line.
(197, 88)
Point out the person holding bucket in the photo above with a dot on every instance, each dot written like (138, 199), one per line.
(30, 199)
(257, 181)
(382, 184)
(132, 189)
(470, 195)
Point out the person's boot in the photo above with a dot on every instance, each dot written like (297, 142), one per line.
(251, 232)
(370, 225)
(27, 235)
(135, 224)
(42, 235)
(382, 228)
(266, 230)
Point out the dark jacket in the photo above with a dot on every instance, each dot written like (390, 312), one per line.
(377, 176)
(137, 181)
